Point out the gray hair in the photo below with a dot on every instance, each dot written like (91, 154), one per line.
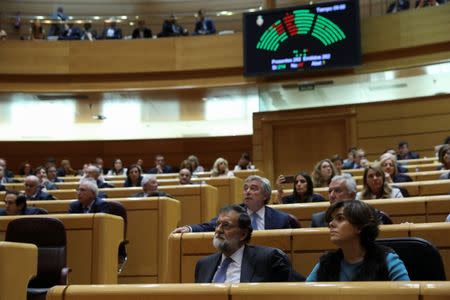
(146, 179)
(33, 178)
(265, 184)
(94, 168)
(349, 182)
(91, 184)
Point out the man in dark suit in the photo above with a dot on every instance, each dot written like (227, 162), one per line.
(34, 191)
(16, 204)
(88, 201)
(142, 32)
(150, 188)
(8, 173)
(237, 261)
(204, 25)
(160, 166)
(404, 153)
(342, 187)
(257, 192)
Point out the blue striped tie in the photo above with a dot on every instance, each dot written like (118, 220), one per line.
(255, 218)
(221, 273)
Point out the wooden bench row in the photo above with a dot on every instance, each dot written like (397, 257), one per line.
(424, 209)
(259, 291)
(415, 188)
(92, 245)
(304, 246)
(150, 221)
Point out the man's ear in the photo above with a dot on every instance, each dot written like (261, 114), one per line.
(244, 234)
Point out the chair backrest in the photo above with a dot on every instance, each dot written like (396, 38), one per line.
(117, 209)
(421, 258)
(49, 235)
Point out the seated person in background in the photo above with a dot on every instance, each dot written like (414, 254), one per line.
(185, 176)
(3, 178)
(220, 168)
(88, 32)
(186, 164)
(150, 188)
(112, 32)
(323, 171)
(375, 185)
(398, 5)
(404, 153)
(117, 168)
(140, 162)
(160, 166)
(424, 3)
(389, 164)
(66, 169)
(257, 192)
(33, 189)
(25, 169)
(204, 25)
(338, 162)
(237, 261)
(444, 159)
(52, 174)
(244, 163)
(134, 176)
(303, 191)
(42, 175)
(354, 228)
(357, 162)
(71, 32)
(195, 164)
(99, 164)
(94, 173)
(8, 173)
(341, 188)
(16, 204)
(171, 27)
(142, 32)
(88, 200)
(37, 32)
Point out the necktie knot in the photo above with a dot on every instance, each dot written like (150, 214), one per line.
(221, 273)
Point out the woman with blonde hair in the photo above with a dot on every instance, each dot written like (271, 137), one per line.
(375, 185)
(220, 168)
(323, 172)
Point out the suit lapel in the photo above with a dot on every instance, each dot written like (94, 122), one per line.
(211, 270)
(247, 265)
(267, 218)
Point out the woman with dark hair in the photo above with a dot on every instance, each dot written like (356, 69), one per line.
(375, 185)
(117, 168)
(353, 228)
(303, 191)
(338, 163)
(323, 172)
(25, 169)
(134, 176)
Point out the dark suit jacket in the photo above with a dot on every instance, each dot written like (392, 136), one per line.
(99, 206)
(166, 169)
(27, 211)
(273, 219)
(409, 155)
(147, 34)
(154, 194)
(209, 24)
(259, 264)
(41, 195)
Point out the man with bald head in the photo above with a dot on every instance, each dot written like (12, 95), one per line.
(33, 189)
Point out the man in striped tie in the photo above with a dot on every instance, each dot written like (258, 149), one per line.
(237, 261)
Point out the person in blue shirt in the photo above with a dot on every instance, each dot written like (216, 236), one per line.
(354, 228)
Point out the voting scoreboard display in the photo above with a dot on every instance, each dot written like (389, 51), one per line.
(305, 38)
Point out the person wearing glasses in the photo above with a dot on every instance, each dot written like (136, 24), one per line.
(353, 229)
(236, 261)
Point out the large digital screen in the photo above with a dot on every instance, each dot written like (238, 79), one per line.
(305, 38)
